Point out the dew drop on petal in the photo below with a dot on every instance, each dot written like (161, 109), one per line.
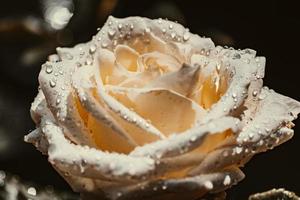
(120, 26)
(186, 36)
(254, 93)
(193, 138)
(58, 100)
(159, 21)
(236, 56)
(52, 83)
(111, 33)
(49, 69)
(208, 185)
(171, 26)
(131, 27)
(173, 35)
(147, 30)
(227, 180)
(104, 45)
(31, 191)
(93, 48)
(89, 61)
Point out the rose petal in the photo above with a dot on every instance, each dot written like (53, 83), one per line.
(243, 69)
(174, 113)
(91, 162)
(100, 123)
(178, 144)
(283, 110)
(57, 89)
(197, 186)
(182, 81)
(127, 57)
(123, 111)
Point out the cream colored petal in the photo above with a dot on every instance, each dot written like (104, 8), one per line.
(60, 97)
(89, 162)
(145, 35)
(39, 108)
(153, 60)
(242, 69)
(111, 72)
(127, 57)
(173, 114)
(196, 186)
(100, 123)
(182, 81)
(123, 111)
(187, 141)
(272, 111)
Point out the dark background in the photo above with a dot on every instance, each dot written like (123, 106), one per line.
(270, 27)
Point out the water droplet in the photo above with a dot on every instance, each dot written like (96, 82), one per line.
(251, 135)
(131, 27)
(238, 150)
(147, 30)
(247, 60)
(120, 26)
(89, 61)
(208, 185)
(93, 48)
(218, 66)
(104, 45)
(31, 191)
(52, 83)
(164, 30)
(111, 33)
(58, 100)
(164, 187)
(254, 93)
(227, 180)
(234, 95)
(173, 35)
(49, 69)
(98, 29)
(202, 51)
(78, 64)
(186, 36)
(171, 26)
(236, 56)
(193, 138)
(159, 21)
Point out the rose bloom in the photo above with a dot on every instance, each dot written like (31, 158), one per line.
(148, 110)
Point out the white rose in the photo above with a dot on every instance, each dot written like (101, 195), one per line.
(147, 109)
